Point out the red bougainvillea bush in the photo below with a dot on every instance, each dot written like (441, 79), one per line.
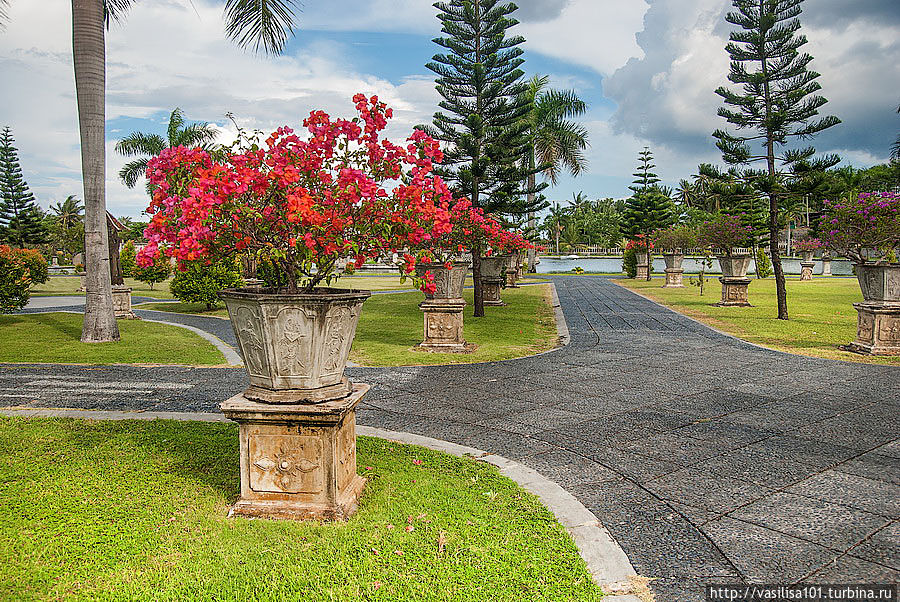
(866, 228)
(302, 204)
(509, 243)
(639, 244)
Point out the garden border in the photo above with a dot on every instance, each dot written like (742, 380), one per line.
(606, 561)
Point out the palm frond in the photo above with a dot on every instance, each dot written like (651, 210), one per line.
(196, 134)
(4, 16)
(132, 171)
(176, 120)
(114, 10)
(138, 143)
(260, 23)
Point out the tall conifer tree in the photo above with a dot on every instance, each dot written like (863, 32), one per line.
(649, 208)
(21, 222)
(777, 102)
(483, 110)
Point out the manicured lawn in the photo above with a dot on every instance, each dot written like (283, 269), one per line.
(390, 325)
(55, 337)
(69, 285)
(821, 312)
(136, 510)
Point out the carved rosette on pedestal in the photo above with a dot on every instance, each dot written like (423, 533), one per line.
(297, 461)
(443, 309)
(878, 316)
(674, 271)
(121, 298)
(492, 278)
(297, 418)
(734, 280)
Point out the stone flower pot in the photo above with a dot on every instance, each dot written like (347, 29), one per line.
(494, 267)
(734, 266)
(449, 284)
(641, 258)
(879, 282)
(295, 346)
(673, 260)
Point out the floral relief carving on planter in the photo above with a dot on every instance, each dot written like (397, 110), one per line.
(247, 326)
(292, 328)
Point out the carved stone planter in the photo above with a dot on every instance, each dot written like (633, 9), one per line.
(443, 309)
(806, 270)
(878, 316)
(492, 278)
(512, 271)
(295, 346)
(520, 266)
(734, 280)
(674, 271)
(297, 461)
(643, 265)
(121, 298)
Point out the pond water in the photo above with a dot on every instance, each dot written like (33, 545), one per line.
(607, 265)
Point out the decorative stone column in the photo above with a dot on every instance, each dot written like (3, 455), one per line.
(826, 266)
(643, 265)
(878, 316)
(298, 461)
(444, 326)
(806, 265)
(492, 279)
(121, 298)
(674, 271)
(512, 271)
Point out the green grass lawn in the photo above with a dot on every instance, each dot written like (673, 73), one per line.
(55, 337)
(821, 312)
(390, 325)
(136, 510)
(69, 285)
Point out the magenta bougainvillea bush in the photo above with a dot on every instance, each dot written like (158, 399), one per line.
(724, 233)
(808, 244)
(871, 221)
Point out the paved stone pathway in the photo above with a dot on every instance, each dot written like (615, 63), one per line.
(708, 459)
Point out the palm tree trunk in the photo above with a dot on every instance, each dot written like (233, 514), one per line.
(89, 52)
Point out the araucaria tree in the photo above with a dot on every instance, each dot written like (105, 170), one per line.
(483, 113)
(777, 102)
(649, 208)
(20, 219)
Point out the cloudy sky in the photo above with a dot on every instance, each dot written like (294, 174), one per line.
(647, 68)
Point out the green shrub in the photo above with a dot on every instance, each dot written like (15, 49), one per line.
(36, 264)
(271, 275)
(201, 283)
(629, 263)
(14, 280)
(157, 272)
(763, 264)
(126, 259)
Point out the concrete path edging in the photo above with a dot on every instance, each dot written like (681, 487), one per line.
(231, 356)
(606, 561)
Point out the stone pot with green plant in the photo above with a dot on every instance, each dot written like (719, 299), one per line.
(728, 236)
(867, 230)
(672, 242)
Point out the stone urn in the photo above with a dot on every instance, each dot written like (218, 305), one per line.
(806, 265)
(443, 309)
(734, 280)
(493, 275)
(512, 271)
(878, 316)
(297, 419)
(523, 256)
(643, 265)
(674, 271)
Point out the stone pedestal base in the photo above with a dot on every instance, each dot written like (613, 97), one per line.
(121, 298)
(674, 278)
(642, 271)
(806, 270)
(298, 461)
(877, 328)
(491, 292)
(444, 326)
(826, 267)
(734, 292)
(511, 276)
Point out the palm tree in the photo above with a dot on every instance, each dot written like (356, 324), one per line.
(150, 145)
(265, 25)
(556, 142)
(557, 218)
(69, 212)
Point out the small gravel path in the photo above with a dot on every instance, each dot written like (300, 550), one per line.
(708, 459)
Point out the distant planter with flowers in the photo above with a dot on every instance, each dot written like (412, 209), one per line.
(807, 247)
(867, 230)
(299, 205)
(673, 241)
(641, 248)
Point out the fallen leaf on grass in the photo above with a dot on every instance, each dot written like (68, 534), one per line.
(417, 462)
(398, 552)
(442, 541)
(410, 528)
